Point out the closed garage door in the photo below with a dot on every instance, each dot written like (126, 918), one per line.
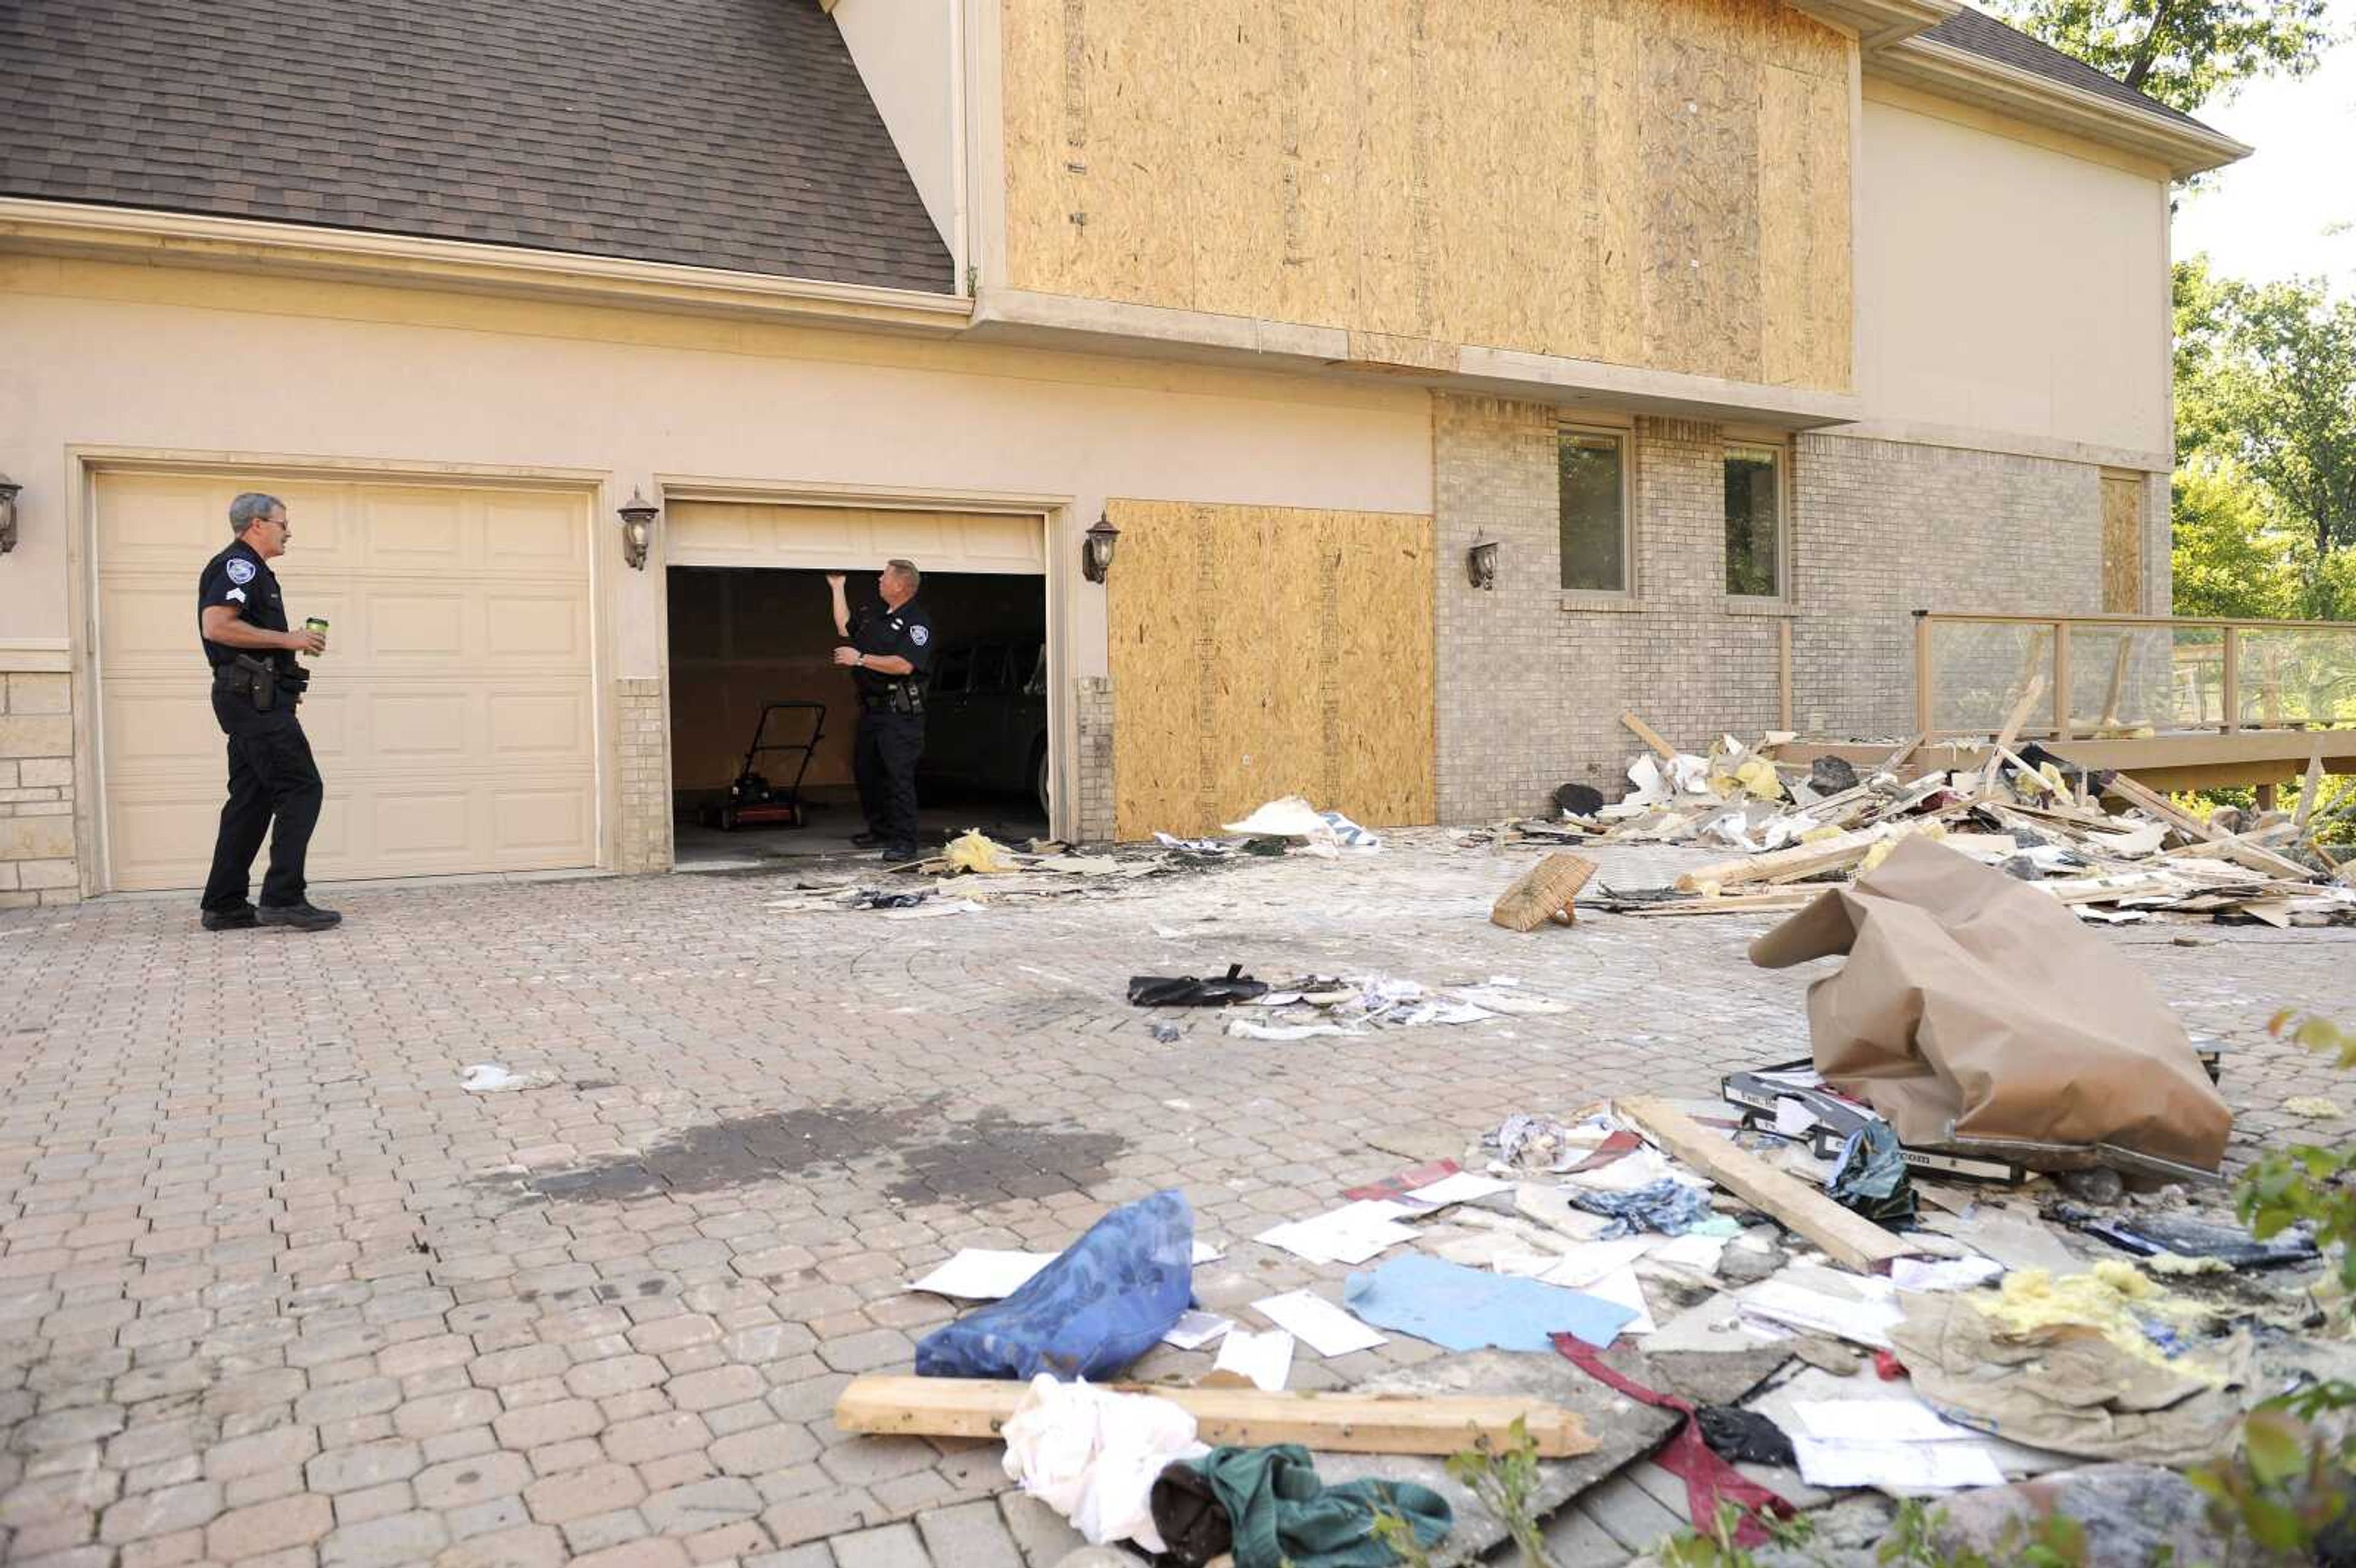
(454, 715)
(849, 539)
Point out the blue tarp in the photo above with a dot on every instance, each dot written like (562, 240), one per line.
(1461, 1309)
(1104, 1303)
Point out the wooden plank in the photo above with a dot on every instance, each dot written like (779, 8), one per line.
(2233, 847)
(2307, 789)
(1850, 1239)
(1337, 1422)
(1645, 733)
(1800, 859)
(2011, 731)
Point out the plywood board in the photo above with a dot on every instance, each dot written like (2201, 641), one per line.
(1261, 651)
(2122, 545)
(1662, 183)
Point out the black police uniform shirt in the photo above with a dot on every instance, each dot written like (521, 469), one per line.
(240, 579)
(906, 633)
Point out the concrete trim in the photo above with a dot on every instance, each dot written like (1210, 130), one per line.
(1138, 331)
(1958, 73)
(1905, 432)
(55, 228)
(35, 656)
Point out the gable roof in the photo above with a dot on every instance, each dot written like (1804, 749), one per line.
(727, 134)
(1980, 34)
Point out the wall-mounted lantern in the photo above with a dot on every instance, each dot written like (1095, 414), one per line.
(1096, 548)
(8, 488)
(638, 529)
(1480, 564)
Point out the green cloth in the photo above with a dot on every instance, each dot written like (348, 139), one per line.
(1284, 1517)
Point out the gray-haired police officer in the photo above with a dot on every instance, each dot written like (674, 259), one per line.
(241, 620)
(890, 648)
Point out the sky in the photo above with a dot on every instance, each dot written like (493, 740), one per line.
(2265, 218)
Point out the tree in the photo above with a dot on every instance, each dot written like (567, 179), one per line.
(2227, 557)
(2182, 52)
(2267, 383)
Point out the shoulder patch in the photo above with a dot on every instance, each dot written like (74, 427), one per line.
(240, 569)
(920, 636)
(236, 593)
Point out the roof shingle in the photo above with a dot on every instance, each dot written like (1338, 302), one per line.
(1976, 33)
(731, 134)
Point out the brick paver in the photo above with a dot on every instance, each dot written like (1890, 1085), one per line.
(274, 1287)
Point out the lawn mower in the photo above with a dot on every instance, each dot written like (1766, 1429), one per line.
(753, 801)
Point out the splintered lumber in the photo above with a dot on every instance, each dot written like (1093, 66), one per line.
(1850, 1239)
(2306, 790)
(1645, 733)
(1897, 759)
(2012, 732)
(1738, 903)
(1246, 1417)
(2233, 847)
(1542, 893)
(1799, 860)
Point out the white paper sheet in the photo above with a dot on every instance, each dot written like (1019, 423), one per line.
(1349, 1235)
(1901, 1466)
(935, 908)
(1697, 1254)
(979, 1273)
(1585, 1263)
(1794, 1305)
(1195, 1329)
(1264, 1359)
(1329, 1330)
(1876, 1421)
(1206, 1252)
(1463, 1186)
(1946, 1273)
(1621, 1286)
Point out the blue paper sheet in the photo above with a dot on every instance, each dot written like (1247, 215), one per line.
(1460, 1308)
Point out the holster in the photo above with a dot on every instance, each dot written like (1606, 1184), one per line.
(896, 697)
(255, 680)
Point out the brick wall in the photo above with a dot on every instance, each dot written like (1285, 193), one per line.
(1532, 683)
(1091, 770)
(641, 729)
(36, 796)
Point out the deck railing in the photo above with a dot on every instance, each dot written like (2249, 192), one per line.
(2098, 676)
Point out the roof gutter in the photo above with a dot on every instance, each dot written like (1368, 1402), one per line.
(1952, 73)
(194, 240)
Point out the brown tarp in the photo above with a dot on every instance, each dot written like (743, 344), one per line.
(1974, 1008)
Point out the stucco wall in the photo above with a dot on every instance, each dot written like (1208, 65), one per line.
(2009, 281)
(209, 364)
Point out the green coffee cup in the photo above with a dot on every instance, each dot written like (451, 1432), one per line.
(316, 624)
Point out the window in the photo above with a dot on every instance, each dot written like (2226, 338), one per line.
(988, 669)
(1755, 522)
(950, 670)
(1593, 467)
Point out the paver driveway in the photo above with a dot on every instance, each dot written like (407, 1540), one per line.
(275, 1289)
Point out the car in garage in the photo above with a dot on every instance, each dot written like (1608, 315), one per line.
(986, 720)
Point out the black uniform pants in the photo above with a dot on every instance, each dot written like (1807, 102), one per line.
(883, 763)
(271, 775)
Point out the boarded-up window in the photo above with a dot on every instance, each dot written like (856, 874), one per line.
(1594, 476)
(1755, 522)
(2122, 544)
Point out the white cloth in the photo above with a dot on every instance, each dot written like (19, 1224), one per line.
(1092, 1455)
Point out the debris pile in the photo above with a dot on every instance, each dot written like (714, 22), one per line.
(2028, 812)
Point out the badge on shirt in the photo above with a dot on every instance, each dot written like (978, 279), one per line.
(241, 571)
(920, 635)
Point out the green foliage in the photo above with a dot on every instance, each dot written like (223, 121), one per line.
(2291, 1482)
(1503, 1480)
(2230, 558)
(2182, 52)
(2265, 392)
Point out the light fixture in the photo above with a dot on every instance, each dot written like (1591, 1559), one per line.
(637, 528)
(1096, 548)
(8, 488)
(1480, 564)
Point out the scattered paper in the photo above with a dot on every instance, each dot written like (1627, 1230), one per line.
(1695, 1253)
(1244, 1029)
(1329, 1330)
(934, 909)
(1586, 1264)
(1349, 1235)
(1206, 1252)
(1264, 1361)
(1867, 1322)
(1898, 1466)
(490, 1078)
(1620, 1288)
(1876, 1421)
(1463, 1186)
(979, 1273)
(1947, 1274)
(1195, 1329)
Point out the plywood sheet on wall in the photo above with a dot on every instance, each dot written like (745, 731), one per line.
(1662, 183)
(2122, 545)
(1266, 651)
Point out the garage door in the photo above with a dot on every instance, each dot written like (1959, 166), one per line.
(454, 715)
(847, 539)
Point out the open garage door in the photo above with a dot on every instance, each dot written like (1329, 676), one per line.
(454, 715)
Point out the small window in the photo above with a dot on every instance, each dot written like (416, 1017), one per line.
(1593, 466)
(988, 669)
(1755, 522)
(949, 671)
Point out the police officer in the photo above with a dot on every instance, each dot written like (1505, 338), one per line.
(241, 620)
(889, 651)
